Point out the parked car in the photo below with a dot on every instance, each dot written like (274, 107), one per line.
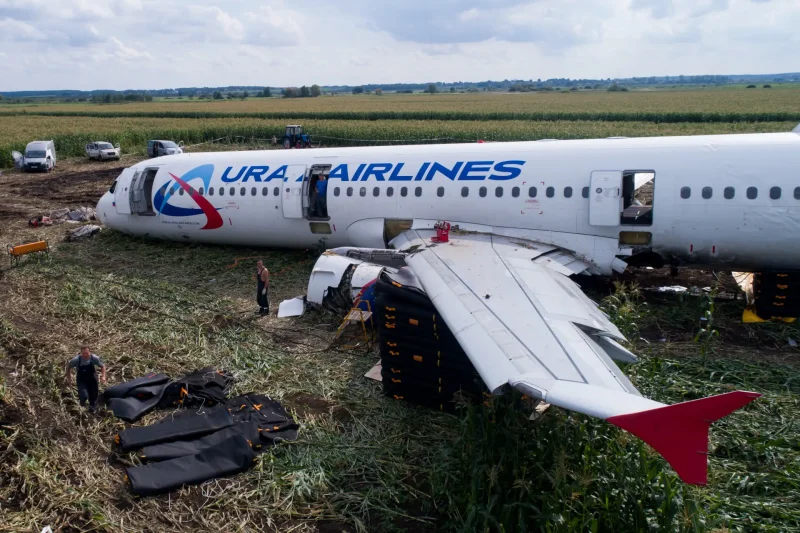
(40, 156)
(102, 150)
(159, 148)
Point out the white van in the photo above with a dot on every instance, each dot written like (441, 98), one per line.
(39, 156)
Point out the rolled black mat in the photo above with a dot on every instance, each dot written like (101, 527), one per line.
(231, 456)
(180, 429)
(125, 389)
(171, 450)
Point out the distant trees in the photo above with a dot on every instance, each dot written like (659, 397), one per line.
(305, 92)
(291, 92)
(265, 93)
(432, 88)
(315, 91)
(217, 95)
(378, 92)
(358, 90)
(452, 89)
(751, 86)
(302, 92)
(616, 88)
(117, 98)
(245, 94)
(768, 86)
(1, 96)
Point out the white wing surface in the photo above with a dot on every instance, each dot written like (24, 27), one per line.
(524, 323)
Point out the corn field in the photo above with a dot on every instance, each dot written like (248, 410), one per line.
(71, 133)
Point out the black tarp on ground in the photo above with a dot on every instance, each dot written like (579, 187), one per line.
(274, 423)
(182, 428)
(207, 386)
(231, 456)
(182, 448)
(125, 389)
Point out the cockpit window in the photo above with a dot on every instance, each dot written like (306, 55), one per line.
(113, 186)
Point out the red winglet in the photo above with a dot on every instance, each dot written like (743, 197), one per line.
(680, 432)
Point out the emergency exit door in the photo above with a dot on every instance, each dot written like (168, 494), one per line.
(605, 198)
(122, 192)
(292, 195)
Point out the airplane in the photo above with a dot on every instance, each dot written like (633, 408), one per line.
(525, 217)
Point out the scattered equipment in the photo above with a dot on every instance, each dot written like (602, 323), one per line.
(295, 138)
(24, 249)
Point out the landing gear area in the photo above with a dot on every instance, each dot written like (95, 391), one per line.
(770, 296)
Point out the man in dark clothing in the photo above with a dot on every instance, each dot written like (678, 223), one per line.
(262, 297)
(322, 197)
(85, 363)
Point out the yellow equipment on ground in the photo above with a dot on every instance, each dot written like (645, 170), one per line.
(15, 252)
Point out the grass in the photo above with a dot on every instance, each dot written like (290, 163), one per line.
(362, 462)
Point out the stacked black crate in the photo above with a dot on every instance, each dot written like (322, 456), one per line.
(421, 360)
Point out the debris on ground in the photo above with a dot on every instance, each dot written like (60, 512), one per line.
(79, 214)
(294, 307)
(83, 232)
(40, 221)
(218, 437)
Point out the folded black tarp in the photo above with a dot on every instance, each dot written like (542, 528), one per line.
(230, 456)
(182, 428)
(181, 448)
(205, 387)
(132, 409)
(123, 390)
(274, 423)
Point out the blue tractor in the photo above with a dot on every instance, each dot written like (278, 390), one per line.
(295, 138)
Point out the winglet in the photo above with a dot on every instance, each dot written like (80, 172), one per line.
(679, 432)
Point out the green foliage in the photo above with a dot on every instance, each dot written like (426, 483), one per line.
(625, 309)
(315, 91)
(432, 88)
(217, 95)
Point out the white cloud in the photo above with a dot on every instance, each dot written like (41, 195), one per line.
(167, 43)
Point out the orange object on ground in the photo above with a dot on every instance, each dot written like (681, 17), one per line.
(28, 248)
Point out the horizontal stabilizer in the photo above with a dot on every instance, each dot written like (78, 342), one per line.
(680, 432)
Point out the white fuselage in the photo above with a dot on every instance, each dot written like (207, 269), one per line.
(726, 200)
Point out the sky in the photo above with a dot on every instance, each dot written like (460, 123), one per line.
(154, 44)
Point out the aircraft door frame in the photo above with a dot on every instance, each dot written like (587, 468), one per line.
(122, 192)
(605, 198)
(292, 191)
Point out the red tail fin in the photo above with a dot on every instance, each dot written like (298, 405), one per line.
(680, 432)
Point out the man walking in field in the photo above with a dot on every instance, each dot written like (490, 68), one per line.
(85, 363)
(262, 296)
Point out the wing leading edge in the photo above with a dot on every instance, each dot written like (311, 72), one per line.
(524, 323)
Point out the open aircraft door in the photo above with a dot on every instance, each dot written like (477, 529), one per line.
(293, 187)
(605, 198)
(122, 192)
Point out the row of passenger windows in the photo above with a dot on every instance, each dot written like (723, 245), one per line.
(231, 191)
(482, 192)
(730, 192)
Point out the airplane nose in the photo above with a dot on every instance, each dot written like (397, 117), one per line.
(103, 207)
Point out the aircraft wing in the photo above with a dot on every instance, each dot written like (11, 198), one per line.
(523, 322)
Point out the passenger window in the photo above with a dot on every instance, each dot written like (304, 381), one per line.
(729, 193)
(752, 193)
(276, 191)
(211, 191)
(349, 191)
(253, 191)
(242, 191)
(362, 191)
(707, 192)
(265, 191)
(181, 191)
(232, 191)
(567, 192)
(515, 192)
(222, 191)
(686, 193)
(775, 193)
(550, 192)
(390, 191)
(585, 192)
(532, 192)
(498, 191)
(464, 191)
(403, 191)
(201, 191)
(418, 192)
(376, 191)
(336, 191)
(440, 192)
(797, 193)
(482, 192)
